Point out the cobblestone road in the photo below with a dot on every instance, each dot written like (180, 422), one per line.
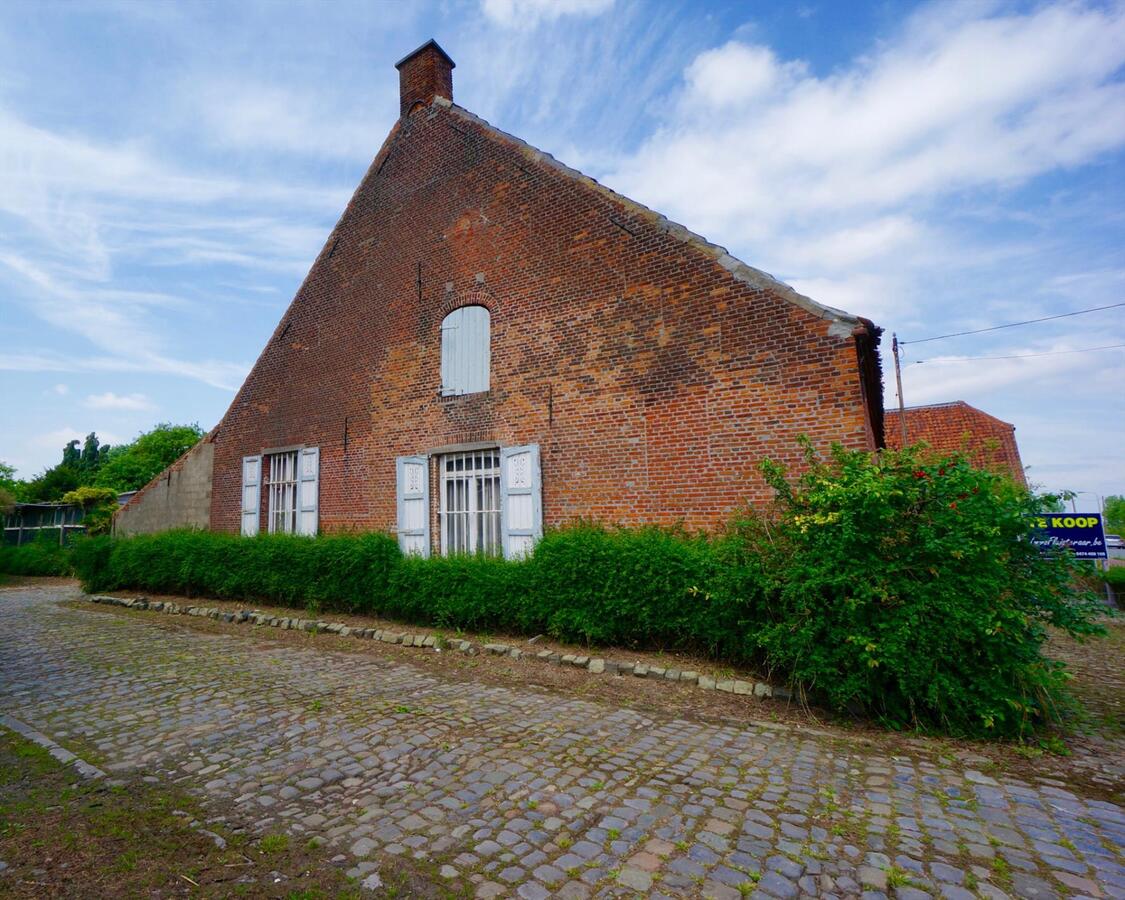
(521, 793)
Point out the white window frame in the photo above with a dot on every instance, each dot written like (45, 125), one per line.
(469, 511)
(466, 351)
(283, 487)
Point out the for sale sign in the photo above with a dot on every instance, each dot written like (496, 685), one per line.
(1081, 532)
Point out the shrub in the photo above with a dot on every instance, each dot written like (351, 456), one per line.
(475, 592)
(40, 556)
(98, 506)
(1115, 577)
(586, 583)
(340, 572)
(633, 587)
(89, 557)
(905, 585)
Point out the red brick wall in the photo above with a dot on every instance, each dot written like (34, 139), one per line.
(653, 380)
(958, 427)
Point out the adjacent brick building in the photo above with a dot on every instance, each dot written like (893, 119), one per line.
(957, 426)
(490, 342)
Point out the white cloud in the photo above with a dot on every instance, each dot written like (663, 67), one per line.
(736, 74)
(110, 320)
(82, 202)
(266, 117)
(110, 400)
(525, 13)
(953, 103)
(942, 378)
(216, 373)
(872, 295)
(61, 389)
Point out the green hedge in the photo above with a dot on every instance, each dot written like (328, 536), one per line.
(42, 556)
(638, 587)
(338, 572)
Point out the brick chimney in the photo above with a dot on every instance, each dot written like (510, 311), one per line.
(424, 74)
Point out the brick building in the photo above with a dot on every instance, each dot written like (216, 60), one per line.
(490, 342)
(957, 426)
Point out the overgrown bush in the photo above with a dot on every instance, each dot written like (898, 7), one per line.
(904, 584)
(98, 505)
(1115, 577)
(41, 556)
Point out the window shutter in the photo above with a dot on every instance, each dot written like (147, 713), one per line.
(465, 351)
(251, 494)
(413, 480)
(449, 355)
(308, 491)
(521, 499)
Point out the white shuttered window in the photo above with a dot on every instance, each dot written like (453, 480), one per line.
(489, 501)
(465, 351)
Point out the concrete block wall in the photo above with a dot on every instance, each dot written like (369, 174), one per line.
(179, 497)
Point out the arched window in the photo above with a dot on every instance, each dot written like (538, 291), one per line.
(465, 351)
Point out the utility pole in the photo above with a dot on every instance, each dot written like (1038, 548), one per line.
(898, 380)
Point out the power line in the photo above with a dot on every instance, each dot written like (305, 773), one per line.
(1079, 312)
(1022, 355)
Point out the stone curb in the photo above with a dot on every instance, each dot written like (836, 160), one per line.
(595, 665)
(60, 753)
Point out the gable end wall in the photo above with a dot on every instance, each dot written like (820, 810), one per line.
(652, 376)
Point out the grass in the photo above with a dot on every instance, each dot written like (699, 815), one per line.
(897, 877)
(66, 837)
(273, 844)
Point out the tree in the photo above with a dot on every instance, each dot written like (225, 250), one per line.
(132, 466)
(78, 467)
(51, 484)
(1115, 513)
(93, 455)
(8, 481)
(70, 455)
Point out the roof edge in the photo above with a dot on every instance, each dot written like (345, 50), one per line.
(949, 404)
(430, 44)
(843, 324)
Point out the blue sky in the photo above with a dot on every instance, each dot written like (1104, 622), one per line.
(169, 171)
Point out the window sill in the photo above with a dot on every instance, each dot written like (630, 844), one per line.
(454, 398)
